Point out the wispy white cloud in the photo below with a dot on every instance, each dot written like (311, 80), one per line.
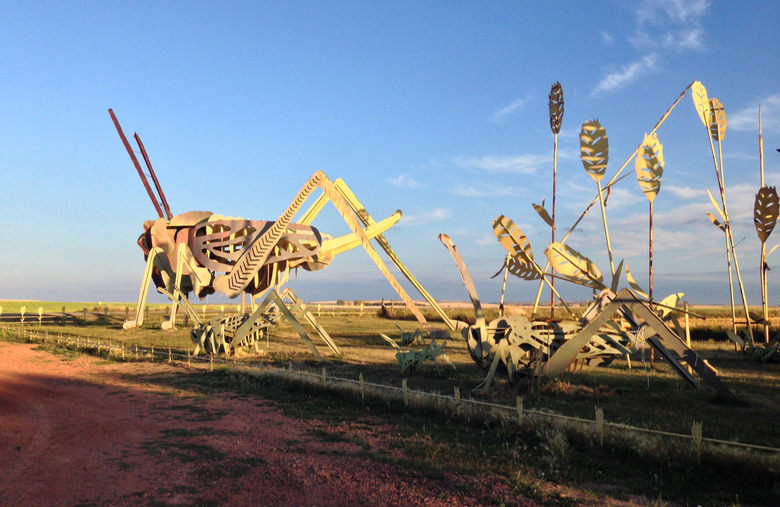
(676, 11)
(432, 164)
(485, 239)
(747, 119)
(673, 24)
(684, 192)
(404, 181)
(620, 197)
(519, 164)
(743, 155)
(607, 38)
(627, 74)
(685, 40)
(512, 108)
(426, 216)
(482, 190)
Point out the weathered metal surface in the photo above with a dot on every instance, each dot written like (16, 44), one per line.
(414, 359)
(517, 344)
(136, 164)
(203, 253)
(626, 299)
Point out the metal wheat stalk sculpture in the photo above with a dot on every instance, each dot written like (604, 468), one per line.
(702, 103)
(649, 169)
(556, 119)
(713, 115)
(615, 179)
(521, 257)
(594, 153)
(765, 211)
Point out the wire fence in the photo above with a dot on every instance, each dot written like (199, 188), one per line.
(32, 316)
(455, 402)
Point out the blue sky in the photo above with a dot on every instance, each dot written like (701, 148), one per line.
(435, 108)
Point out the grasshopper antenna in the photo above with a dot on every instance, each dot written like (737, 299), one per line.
(136, 164)
(154, 178)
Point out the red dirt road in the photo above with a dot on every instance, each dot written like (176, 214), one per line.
(79, 430)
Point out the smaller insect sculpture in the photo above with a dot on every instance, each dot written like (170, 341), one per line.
(414, 359)
(202, 253)
(522, 347)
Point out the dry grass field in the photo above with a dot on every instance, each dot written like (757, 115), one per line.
(538, 453)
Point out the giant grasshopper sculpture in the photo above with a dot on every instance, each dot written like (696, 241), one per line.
(202, 253)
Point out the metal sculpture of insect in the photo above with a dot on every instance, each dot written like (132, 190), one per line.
(548, 348)
(202, 253)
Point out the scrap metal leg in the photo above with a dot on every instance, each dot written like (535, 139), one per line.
(625, 298)
(155, 259)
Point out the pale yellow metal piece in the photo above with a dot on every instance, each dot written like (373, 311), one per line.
(233, 283)
(650, 166)
(335, 246)
(715, 222)
(716, 126)
(649, 170)
(625, 299)
(520, 255)
(763, 267)
(515, 343)
(296, 307)
(571, 264)
(543, 214)
(349, 215)
(261, 254)
(518, 247)
(179, 296)
(157, 259)
(615, 178)
(594, 152)
(594, 149)
(475, 335)
(199, 277)
(635, 286)
(701, 101)
(717, 120)
(366, 219)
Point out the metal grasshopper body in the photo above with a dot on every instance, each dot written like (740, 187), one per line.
(549, 348)
(202, 253)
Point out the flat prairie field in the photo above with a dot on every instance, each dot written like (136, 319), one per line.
(556, 454)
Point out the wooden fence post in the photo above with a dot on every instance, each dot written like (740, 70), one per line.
(520, 410)
(600, 425)
(697, 436)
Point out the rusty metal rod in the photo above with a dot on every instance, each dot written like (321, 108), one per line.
(154, 177)
(136, 164)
